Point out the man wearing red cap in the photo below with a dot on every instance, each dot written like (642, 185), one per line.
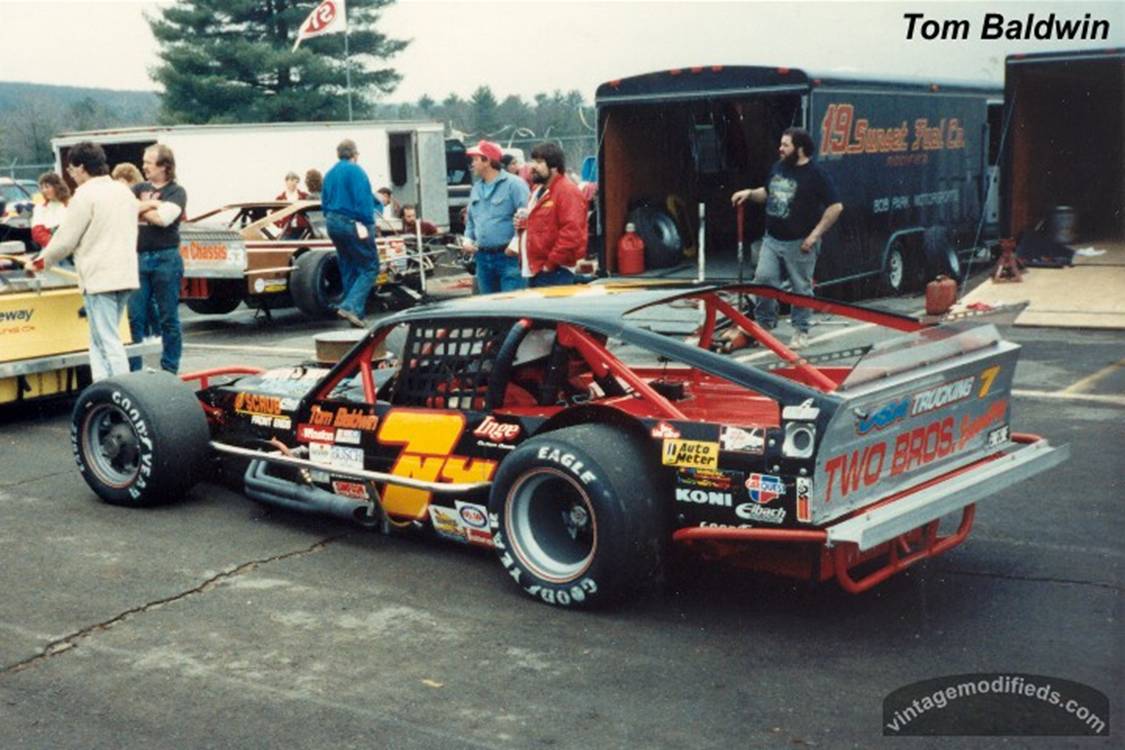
(493, 202)
(556, 222)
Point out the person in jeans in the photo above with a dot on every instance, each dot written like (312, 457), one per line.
(489, 228)
(100, 230)
(801, 205)
(349, 212)
(556, 220)
(163, 204)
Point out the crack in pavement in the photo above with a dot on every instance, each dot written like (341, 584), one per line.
(29, 480)
(1033, 579)
(61, 645)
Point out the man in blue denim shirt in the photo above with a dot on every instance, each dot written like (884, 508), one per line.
(349, 212)
(494, 200)
(163, 204)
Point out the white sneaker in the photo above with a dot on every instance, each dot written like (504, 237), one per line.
(799, 341)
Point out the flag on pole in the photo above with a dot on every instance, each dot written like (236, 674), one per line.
(330, 17)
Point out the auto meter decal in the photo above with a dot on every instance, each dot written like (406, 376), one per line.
(764, 488)
(690, 454)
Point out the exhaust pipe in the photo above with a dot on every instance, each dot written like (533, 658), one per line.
(305, 498)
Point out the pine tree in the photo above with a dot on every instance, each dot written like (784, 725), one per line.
(232, 61)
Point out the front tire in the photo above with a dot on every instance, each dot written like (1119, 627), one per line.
(576, 516)
(139, 439)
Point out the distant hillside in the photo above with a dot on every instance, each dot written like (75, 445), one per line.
(32, 113)
(134, 107)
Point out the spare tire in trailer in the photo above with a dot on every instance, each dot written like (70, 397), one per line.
(315, 283)
(664, 247)
(140, 439)
(941, 253)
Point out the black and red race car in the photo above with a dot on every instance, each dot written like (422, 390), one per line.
(580, 436)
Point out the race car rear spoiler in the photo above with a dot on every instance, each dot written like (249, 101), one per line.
(917, 507)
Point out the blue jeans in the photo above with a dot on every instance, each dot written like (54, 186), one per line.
(161, 272)
(798, 265)
(498, 272)
(358, 260)
(558, 277)
(103, 315)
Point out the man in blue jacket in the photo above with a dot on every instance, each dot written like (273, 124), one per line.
(349, 211)
(493, 202)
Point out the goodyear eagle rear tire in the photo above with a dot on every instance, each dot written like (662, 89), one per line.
(139, 439)
(576, 516)
(315, 284)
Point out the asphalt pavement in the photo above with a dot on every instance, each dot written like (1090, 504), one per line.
(217, 622)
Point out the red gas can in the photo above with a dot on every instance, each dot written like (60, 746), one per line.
(630, 252)
(941, 293)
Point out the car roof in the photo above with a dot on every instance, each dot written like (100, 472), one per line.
(600, 307)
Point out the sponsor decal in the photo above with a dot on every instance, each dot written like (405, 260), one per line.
(199, 251)
(475, 516)
(261, 420)
(569, 460)
(690, 454)
(474, 521)
(884, 417)
(497, 432)
(318, 476)
(703, 497)
(987, 377)
(717, 525)
(751, 440)
(355, 490)
(348, 437)
(911, 449)
(289, 374)
(755, 512)
(997, 437)
(347, 458)
(765, 488)
(427, 439)
(447, 524)
(16, 316)
(254, 403)
(355, 419)
(282, 423)
(664, 430)
(943, 395)
(971, 427)
(706, 478)
(307, 433)
(320, 453)
(804, 496)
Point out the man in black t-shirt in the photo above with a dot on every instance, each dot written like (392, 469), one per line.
(801, 205)
(163, 204)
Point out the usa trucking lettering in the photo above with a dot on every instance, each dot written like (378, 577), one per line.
(996, 26)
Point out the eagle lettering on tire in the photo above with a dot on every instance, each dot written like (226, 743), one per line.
(575, 516)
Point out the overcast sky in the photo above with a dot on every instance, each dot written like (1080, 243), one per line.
(541, 45)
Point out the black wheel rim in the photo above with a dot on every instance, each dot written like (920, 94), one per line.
(111, 446)
(551, 525)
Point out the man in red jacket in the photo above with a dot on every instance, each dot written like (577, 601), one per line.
(556, 221)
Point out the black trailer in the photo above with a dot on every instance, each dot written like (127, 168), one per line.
(1064, 151)
(914, 162)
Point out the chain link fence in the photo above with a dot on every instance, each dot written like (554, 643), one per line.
(18, 171)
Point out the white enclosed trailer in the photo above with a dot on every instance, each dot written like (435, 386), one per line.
(222, 164)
